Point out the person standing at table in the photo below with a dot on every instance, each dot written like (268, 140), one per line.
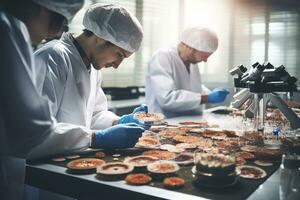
(173, 80)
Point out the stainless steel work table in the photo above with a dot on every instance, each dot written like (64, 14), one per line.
(54, 178)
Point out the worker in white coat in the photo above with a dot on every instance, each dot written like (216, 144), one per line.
(69, 72)
(25, 117)
(173, 81)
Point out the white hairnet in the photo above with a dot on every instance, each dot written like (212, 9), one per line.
(114, 24)
(67, 8)
(201, 39)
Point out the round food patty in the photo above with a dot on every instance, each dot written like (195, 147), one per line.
(173, 182)
(251, 172)
(137, 179)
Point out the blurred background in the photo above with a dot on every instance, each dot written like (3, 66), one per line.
(249, 31)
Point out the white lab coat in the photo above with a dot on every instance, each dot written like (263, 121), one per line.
(75, 95)
(25, 118)
(170, 89)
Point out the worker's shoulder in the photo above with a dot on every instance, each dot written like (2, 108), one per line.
(54, 55)
(54, 48)
(162, 52)
(164, 55)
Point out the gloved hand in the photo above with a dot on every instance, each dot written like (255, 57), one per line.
(217, 95)
(129, 118)
(118, 136)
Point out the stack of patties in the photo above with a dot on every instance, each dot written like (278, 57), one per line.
(216, 164)
(215, 169)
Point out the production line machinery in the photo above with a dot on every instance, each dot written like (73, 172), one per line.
(260, 85)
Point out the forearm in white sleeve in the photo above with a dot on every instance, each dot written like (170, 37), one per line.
(64, 139)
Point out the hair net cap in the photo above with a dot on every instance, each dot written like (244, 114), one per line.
(114, 24)
(67, 8)
(201, 39)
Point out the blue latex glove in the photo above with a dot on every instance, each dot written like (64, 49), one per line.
(119, 136)
(129, 118)
(217, 95)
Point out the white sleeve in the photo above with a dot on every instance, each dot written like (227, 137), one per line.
(65, 139)
(102, 117)
(205, 90)
(169, 98)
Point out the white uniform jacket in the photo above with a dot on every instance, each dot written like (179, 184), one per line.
(75, 95)
(170, 88)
